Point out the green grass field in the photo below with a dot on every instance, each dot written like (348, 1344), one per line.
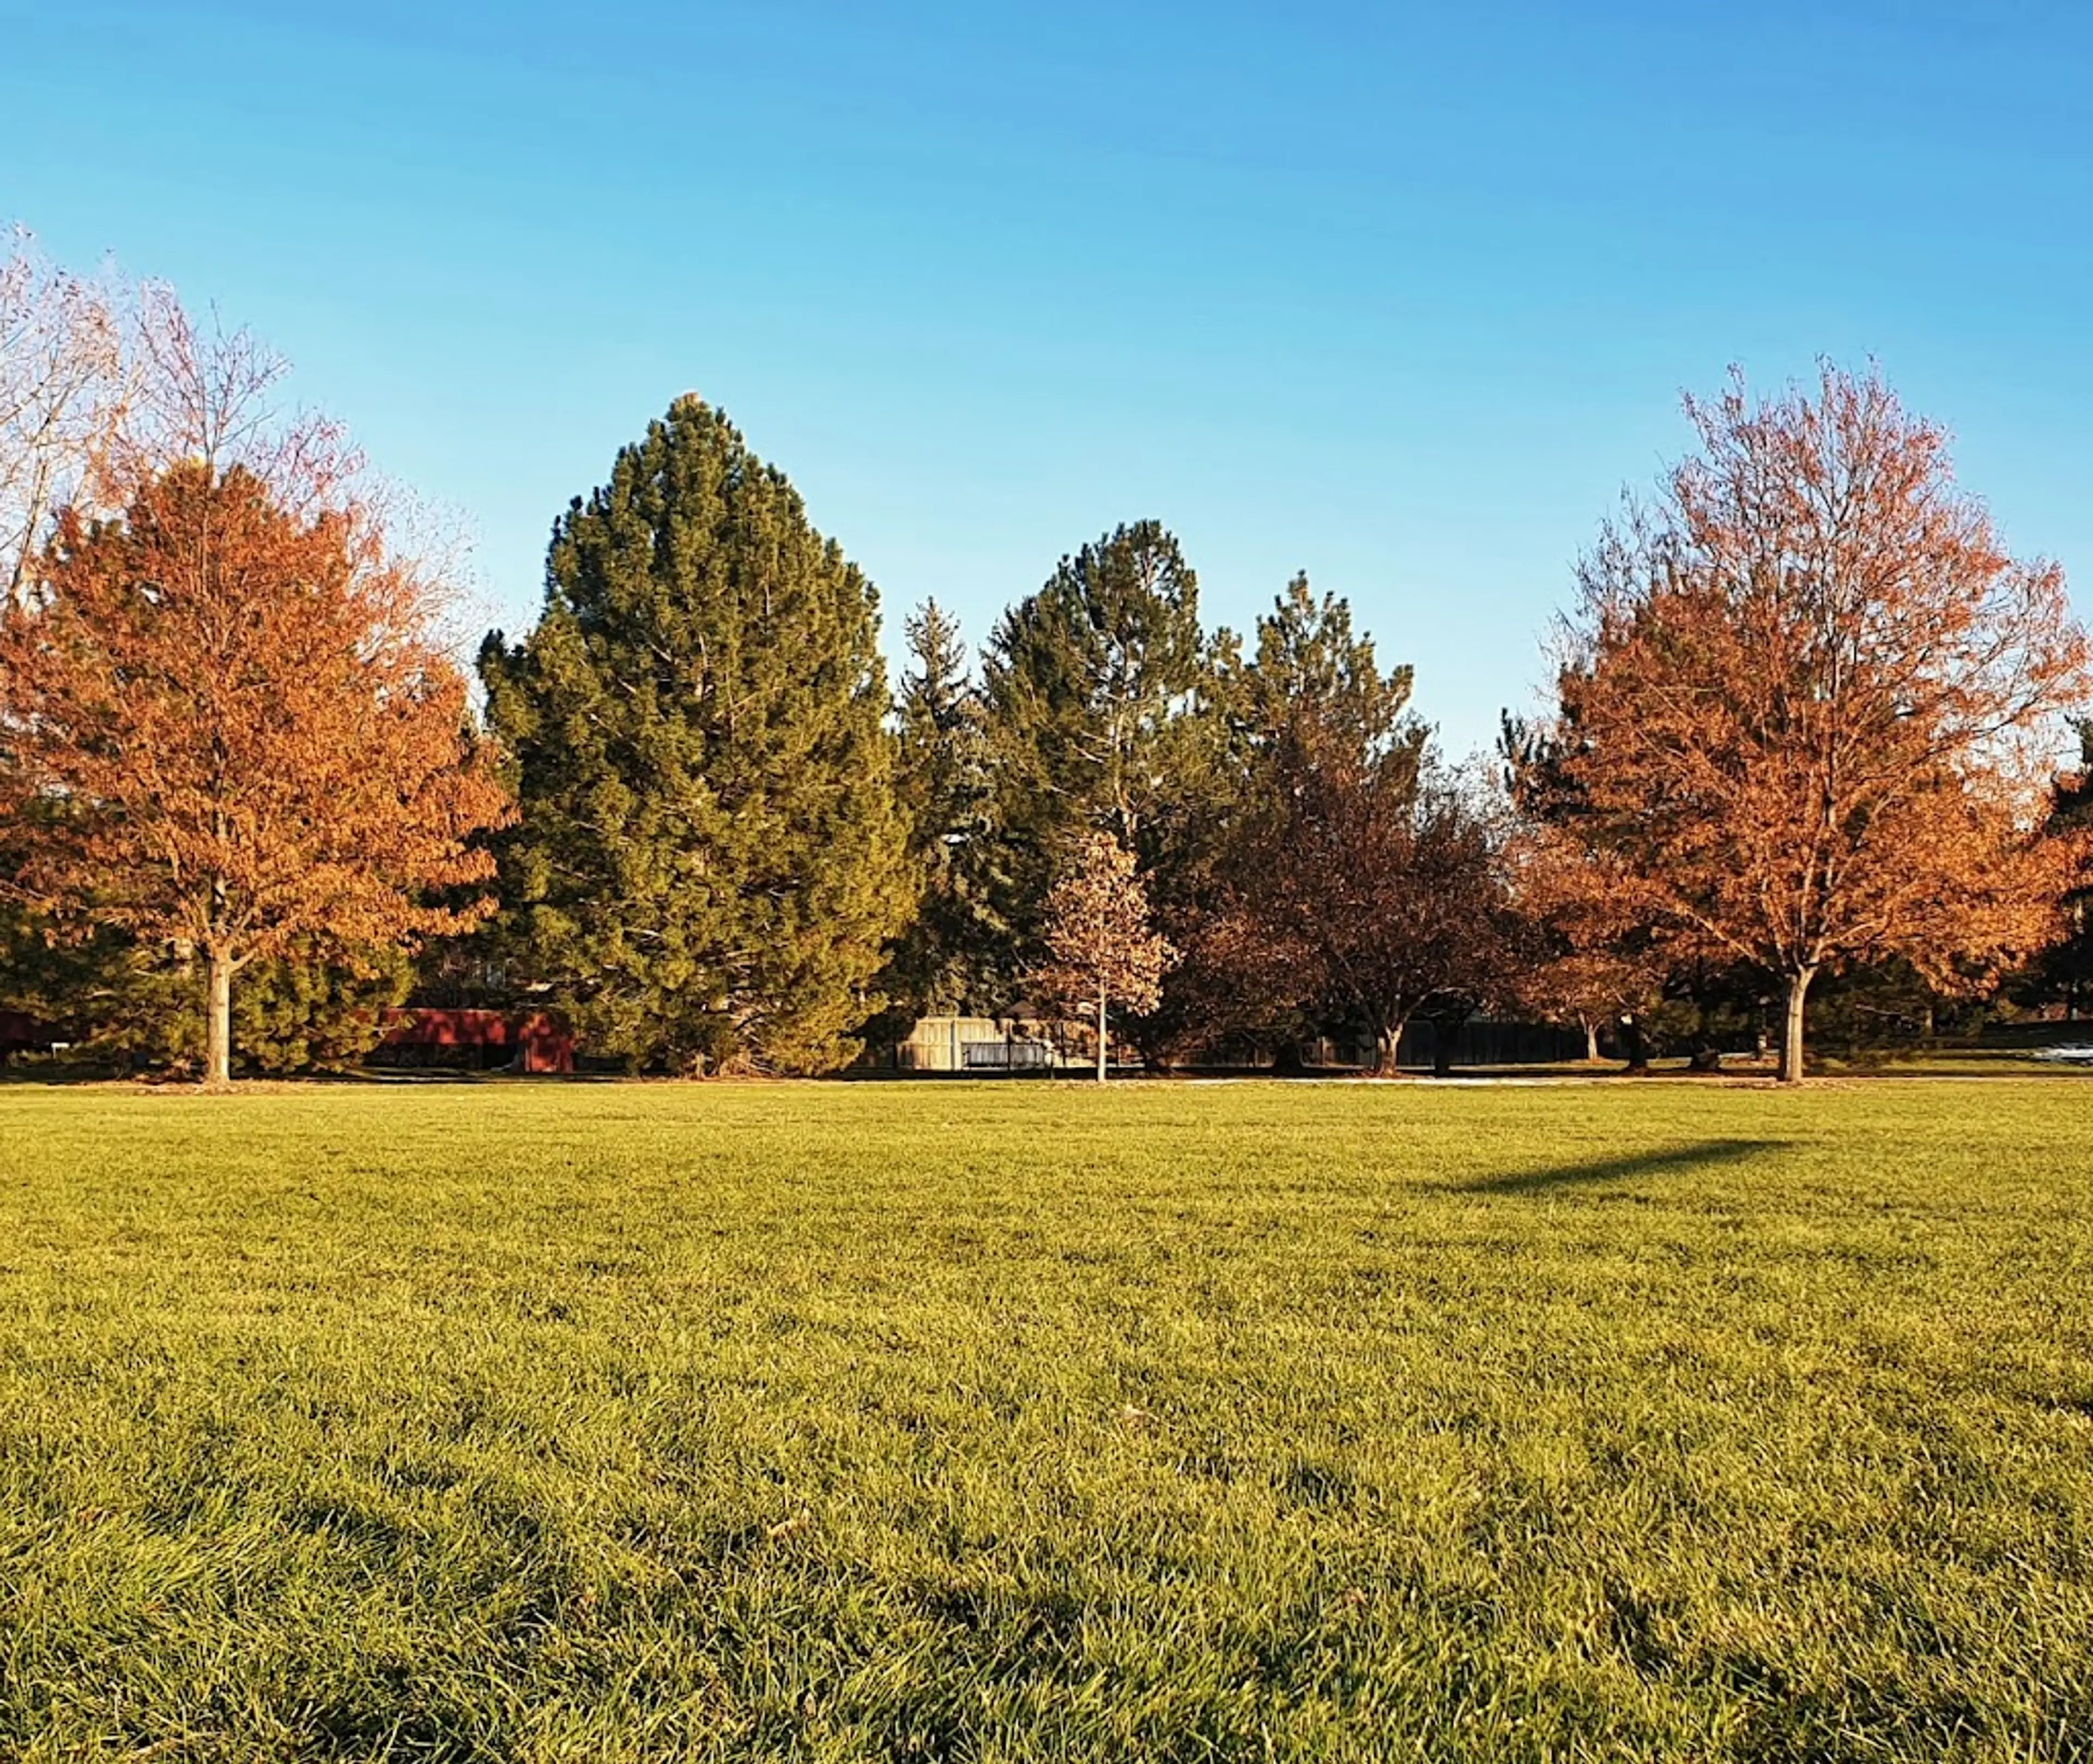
(1001, 1422)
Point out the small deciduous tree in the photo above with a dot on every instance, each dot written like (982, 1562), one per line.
(1101, 950)
(1808, 708)
(1591, 961)
(1382, 895)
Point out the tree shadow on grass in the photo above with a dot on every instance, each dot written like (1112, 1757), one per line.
(1703, 1155)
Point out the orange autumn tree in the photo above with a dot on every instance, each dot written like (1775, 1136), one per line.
(1593, 964)
(226, 724)
(1808, 712)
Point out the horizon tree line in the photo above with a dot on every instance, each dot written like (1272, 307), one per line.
(1802, 736)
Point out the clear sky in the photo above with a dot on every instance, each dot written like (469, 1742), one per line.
(1402, 295)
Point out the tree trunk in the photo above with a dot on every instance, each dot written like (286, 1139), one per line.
(1387, 1045)
(1442, 1046)
(1591, 1041)
(1633, 1045)
(218, 1064)
(1101, 1035)
(1791, 1047)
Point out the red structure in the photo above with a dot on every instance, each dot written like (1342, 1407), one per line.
(525, 1041)
(21, 1033)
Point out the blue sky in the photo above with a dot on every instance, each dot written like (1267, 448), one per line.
(1402, 295)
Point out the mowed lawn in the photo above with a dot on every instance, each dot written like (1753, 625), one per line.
(1012, 1421)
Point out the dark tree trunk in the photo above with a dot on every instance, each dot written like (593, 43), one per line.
(1444, 1030)
(1633, 1043)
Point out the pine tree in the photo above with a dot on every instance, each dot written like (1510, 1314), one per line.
(118, 1000)
(942, 963)
(711, 860)
(1101, 950)
(1313, 670)
(1087, 684)
(1314, 685)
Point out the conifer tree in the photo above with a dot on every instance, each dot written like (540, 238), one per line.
(710, 862)
(1312, 668)
(941, 963)
(125, 1001)
(1087, 684)
(1314, 689)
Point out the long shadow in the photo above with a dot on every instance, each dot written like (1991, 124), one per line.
(1705, 1155)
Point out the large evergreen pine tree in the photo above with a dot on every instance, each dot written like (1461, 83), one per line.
(710, 862)
(1313, 670)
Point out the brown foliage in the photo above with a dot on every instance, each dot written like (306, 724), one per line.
(225, 723)
(1804, 723)
(1101, 950)
(226, 728)
(1383, 893)
(1593, 959)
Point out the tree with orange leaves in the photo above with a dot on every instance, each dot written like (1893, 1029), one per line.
(1591, 964)
(1807, 713)
(225, 722)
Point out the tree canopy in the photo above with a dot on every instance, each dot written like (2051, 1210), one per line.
(1806, 712)
(1088, 685)
(229, 730)
(1101, 949)
(1805, 736)
(710, 862)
